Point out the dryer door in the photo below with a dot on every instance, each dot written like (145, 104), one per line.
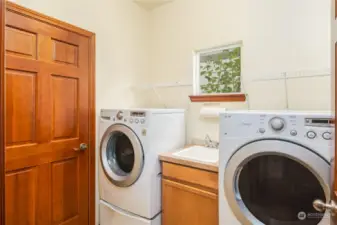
(122, 155)
(275, 182)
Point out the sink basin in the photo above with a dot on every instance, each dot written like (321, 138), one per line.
(199, 153)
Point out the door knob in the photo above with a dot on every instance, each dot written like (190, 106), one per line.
(321, 206)
(82, 147)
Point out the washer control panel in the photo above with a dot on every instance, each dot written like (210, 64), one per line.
(127, 117)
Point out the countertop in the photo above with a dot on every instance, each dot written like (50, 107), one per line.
(169, 157)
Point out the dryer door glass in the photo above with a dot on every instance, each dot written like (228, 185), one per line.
(122, 155)
(276, 189)
(275, 182)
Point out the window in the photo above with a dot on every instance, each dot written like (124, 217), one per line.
(217, 73)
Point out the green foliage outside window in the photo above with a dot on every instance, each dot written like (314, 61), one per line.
(222, 72)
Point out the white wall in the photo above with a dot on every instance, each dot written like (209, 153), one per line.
(122, 44)
(121, 29)
(278, 36)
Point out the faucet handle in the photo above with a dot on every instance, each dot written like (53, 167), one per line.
(209, 143)
(208, 140)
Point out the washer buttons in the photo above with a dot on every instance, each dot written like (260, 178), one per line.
(327, 135)
(311, 134)
(142, 121)
(262, 130)
(137, 120)
(293, 132)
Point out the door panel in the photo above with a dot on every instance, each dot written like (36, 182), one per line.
(65, 53)
(65, 190)
(20, 42)
(21, 107)
(65, 107)
(21, 195)
(47, 106)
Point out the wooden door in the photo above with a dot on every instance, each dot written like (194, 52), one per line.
(47, 73)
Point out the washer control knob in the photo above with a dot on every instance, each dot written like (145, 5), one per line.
(293, 132)
(119, 115)
(137, 120)
(277, 124)
(327, 135)
(311, 134)
(142, 121)
(262, 130)
(131, 120)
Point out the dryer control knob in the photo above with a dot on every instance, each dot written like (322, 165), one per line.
(277, 124)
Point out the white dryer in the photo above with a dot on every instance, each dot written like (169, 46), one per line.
(129, 172)
(273, 166)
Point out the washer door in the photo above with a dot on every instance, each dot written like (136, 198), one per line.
(275, 182)
(122, 155)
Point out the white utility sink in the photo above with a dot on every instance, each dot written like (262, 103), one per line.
(199, 153)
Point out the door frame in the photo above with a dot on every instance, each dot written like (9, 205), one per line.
(92, 102)
(2, 112)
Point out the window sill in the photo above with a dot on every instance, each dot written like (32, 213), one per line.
(218, 98)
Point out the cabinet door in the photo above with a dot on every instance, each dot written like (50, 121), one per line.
(186, 205)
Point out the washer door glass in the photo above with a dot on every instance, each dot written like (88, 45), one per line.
(275, 182)
(276, 189)
(121, 155)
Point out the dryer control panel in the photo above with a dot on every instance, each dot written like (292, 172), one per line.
(315, 129)
(319, 122)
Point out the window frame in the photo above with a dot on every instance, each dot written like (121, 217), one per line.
(214, 97)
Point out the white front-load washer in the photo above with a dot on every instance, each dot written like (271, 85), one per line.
(273, 166)
(129, 171)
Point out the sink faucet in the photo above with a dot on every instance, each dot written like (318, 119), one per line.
(209, 143)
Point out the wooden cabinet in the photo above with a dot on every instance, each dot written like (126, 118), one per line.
(189, 196)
